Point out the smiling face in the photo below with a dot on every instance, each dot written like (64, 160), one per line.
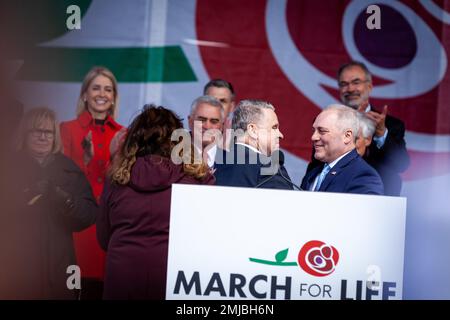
(99, 96)
(210, 118)
(329, 140)
(354, 88)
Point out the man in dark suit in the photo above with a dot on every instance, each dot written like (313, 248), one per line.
(254, 160)
(206, 124)
(342, 169)
(387, 153)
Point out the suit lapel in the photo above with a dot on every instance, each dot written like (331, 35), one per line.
(312, 175)
(338, 167)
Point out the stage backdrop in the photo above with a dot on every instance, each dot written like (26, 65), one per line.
(283, 51)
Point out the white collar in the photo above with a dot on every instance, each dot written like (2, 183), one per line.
(212, 155)
(249, 146)
(337, 160)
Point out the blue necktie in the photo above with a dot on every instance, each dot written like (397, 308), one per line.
(322, 176)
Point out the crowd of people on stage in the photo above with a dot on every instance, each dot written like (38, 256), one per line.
(94, 194)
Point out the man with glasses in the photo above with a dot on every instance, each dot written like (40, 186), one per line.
(387, 152)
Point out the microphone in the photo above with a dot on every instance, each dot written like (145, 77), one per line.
(264, 181)
(289, 180)
(278, 155)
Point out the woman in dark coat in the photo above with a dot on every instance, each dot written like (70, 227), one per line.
(50, 199)
(133, 225)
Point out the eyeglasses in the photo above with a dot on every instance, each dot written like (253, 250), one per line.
(354, 83)
(37, 133)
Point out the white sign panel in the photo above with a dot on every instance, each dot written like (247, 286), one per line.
(242, 243)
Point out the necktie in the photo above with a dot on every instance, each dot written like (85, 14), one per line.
(322, 176)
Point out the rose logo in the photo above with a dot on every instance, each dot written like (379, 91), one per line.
(317, 258)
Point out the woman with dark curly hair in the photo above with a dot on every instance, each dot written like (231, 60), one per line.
(133, 226)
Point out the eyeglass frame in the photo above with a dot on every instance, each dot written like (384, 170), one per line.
(37, 133)
(354, 82)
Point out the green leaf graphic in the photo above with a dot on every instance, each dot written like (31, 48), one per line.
(132, 65)
(281, 256)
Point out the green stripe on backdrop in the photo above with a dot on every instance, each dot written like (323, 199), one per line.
(155, 64)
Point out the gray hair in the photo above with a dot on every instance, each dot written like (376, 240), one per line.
(366, 125)
(249, 111)
(353, 64)
(207, 100)
(347, 118)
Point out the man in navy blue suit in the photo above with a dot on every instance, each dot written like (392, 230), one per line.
(342, 169)
(254, 160)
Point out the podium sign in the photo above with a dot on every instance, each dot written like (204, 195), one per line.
(242, 243)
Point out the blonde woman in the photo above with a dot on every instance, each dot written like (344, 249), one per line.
(86, 141)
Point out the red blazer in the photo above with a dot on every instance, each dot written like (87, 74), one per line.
(90, 257)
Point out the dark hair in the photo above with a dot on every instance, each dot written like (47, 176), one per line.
(354, 64)
(219, 83)
(149, 133)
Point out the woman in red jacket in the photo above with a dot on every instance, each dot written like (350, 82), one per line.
(87, 140)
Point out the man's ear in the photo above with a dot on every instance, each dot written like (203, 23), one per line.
(252, 131)
(370, 85)
(348, 136)
(367, 141)
(233, 106)
(191, 123)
